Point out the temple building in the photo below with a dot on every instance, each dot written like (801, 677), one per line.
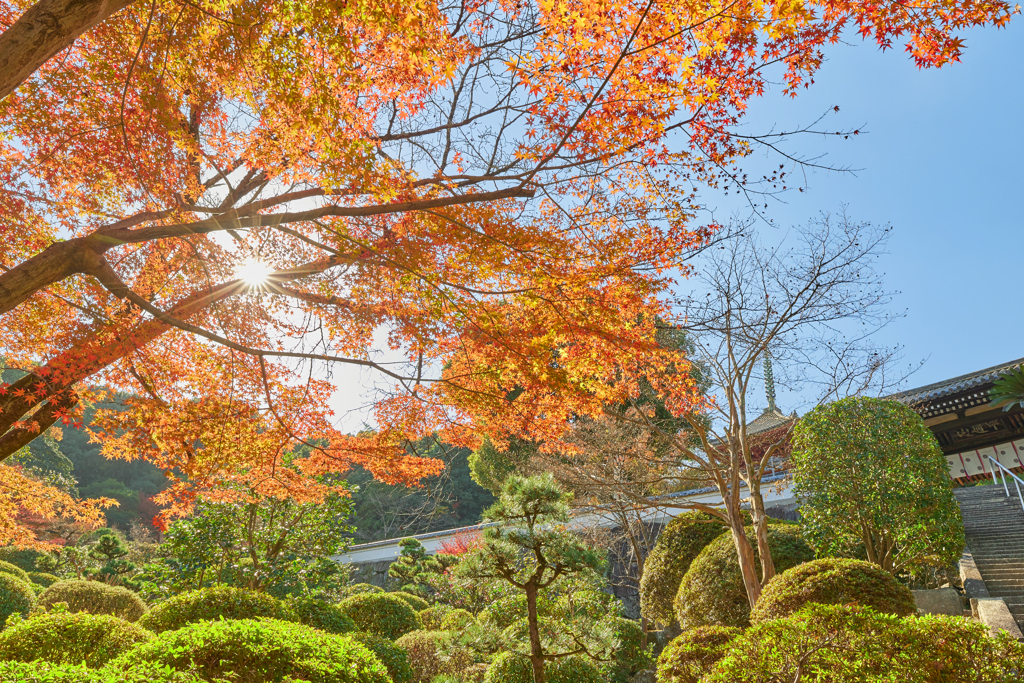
(969, 428)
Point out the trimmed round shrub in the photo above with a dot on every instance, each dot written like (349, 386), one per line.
(630, 656)
(318, 613)
(16, 597)
(357, 588)
(259, 651)
(692, 655)
(95, 597)
(432, 653)
(507, 667)
(45, 672)
(70, 638)
(454, 620)
(23, 558)
(414, 601)
(677, 546)
(833, 581)
(572, 670)
(43, 579)
(14, 570)
(394, 658)
(589, 604)
(712, 591)
(382, 613)
(213, 603)
(430, 618)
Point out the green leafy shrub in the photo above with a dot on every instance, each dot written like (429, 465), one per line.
(414, 601)
(692, 655)
(16, 596)
(13, 570)
(212, 603)
(509, 609)
(573, 669)
(260, 651)
(630, 656)
(23, 558)
(712, 590)
(833, 581)
(509, 668)
(318, 613)
(43, 579)
(432, 653)
(45, 672)
(357, 588)
(94, 597)
(430, 618)
(394, 658)
(677, 546)
(381, 613)
(70, 638)
(590, 604)
(454, 620)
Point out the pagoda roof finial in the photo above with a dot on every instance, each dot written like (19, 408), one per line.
(769, 383)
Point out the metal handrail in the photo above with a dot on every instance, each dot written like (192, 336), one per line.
(1003, 471)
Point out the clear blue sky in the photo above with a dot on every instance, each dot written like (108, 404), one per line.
(942, 164)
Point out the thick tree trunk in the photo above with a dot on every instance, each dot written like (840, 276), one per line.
(536, 652)
(48, 27)
(55, 263)
(745, 554)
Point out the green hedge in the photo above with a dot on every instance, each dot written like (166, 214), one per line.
(630, 656)
(510, 668)
(454, 620)
(94, 597)
(43, 579)
(382, 613)
(14, 570)
(433, 653)
(260, 651)
(677, 546)
(44, 672)
(712, 590)
(23, 558)
(213, 603)
(414, 601)
(430, 618)
(692, 655)
(66, 638)
(841, 644)
(394, 658)
(16, 597)
(833, 581)
(357, 588)
(318, 613)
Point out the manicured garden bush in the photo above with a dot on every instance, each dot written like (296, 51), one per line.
(13, 570)
(70, 638)
(318, 613)
(16, 597)
(430, 618)
(833, 581)
(414, 601)
(357, 588)
(692, 655)
(45, 672)
(573, 669)
(395, 659)
(432, 653)
(712, 590)
(23, 558)
(260, 651)
(454, 620)
(381, 613)
(95, 597)
(677, 546)
(212, 603)
(630, 656)
(43, 579)
(509, 668)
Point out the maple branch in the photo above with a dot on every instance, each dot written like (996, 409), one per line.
(42, 31)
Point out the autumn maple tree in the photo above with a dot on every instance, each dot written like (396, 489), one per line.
(208, 205)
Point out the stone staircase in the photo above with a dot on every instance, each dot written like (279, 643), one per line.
(994, 525)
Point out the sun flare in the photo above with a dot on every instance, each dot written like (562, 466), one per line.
(253, 272)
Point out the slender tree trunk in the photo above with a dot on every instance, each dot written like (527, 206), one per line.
(45, 29)
(764, 552)
(536, 652)
(745, 555)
